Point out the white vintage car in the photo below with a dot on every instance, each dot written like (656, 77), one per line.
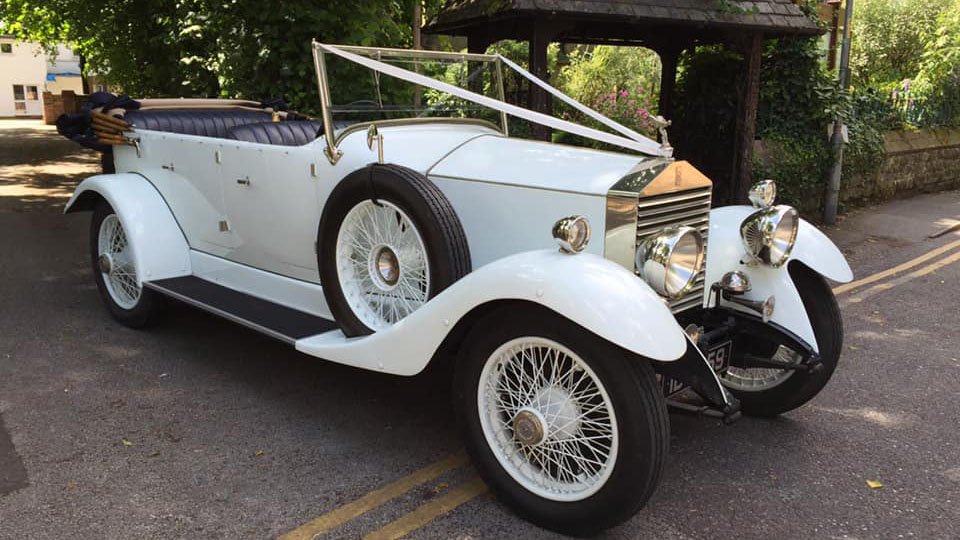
(572, 288)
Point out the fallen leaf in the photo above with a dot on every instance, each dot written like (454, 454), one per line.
(873, 484)
(71, 486)
(259, 453)
(852, 348)
(126, 442)
(155, 453)
(440, 487)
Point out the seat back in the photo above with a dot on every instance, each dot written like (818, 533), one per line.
(288, 133)
(202, 122)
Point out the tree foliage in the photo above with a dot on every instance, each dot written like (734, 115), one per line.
(239, 48)
(888, 38)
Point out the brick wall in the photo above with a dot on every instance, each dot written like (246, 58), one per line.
(915, 162)
(54, 105)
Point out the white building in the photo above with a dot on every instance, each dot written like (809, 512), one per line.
(25, 73)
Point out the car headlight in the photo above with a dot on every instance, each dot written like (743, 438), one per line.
(763, 193)
(769, 234)
(572, 233)
(670, 261)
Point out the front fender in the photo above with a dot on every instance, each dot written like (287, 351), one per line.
(157, 244)
(593, 292)
(812, 248)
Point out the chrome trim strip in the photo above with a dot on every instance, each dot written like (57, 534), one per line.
(620, 230)
(217, 311)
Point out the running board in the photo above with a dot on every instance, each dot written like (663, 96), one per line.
(277, 321)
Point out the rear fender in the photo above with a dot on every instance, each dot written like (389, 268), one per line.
(157, 243)
(812, 248)
(593, 292)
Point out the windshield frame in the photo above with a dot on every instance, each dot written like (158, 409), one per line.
(332, 151)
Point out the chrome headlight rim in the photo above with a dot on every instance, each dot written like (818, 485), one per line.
(655, 263)
(572, 233)
(764, 238)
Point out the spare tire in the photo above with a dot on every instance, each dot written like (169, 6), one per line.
(388, 242)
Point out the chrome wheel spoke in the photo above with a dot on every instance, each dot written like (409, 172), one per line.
(760, 379)
(572, 448)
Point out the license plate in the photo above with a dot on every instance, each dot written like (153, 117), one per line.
(717, 356)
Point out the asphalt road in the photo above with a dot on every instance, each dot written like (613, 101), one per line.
(202, 429)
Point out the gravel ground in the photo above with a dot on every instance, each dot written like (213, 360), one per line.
(201, 429)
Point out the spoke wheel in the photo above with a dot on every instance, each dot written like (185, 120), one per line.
(548, 419)
(768, 392)
(382, 263)
(116, 273)
(760, 379)
(115, 262)
(566, 428)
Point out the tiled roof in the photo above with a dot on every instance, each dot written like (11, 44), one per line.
(773, 17)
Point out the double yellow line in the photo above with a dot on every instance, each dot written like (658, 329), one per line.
(873, 278)
(474, 487)
(407, 523)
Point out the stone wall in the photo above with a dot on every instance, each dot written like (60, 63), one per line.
(914, 162)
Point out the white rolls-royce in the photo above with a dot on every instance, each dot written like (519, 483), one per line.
(577, 291)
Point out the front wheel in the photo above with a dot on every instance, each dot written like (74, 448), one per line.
(767, 392)
(567, 429)
(116, 273)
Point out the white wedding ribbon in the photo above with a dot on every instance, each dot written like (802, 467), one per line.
(612, 124)
(637, 142)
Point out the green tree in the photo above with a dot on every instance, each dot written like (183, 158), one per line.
(240, 48)
(888, 38)
(938, 80)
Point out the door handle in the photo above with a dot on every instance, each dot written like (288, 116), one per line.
(243, 181)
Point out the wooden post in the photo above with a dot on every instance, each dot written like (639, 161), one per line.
(417, 24)
(537, 62)
(668, 79)
(746, 127)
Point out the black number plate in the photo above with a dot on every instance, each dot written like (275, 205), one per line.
(717, 356)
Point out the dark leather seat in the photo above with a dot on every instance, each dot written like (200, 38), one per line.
(202, 122)
(287, 133)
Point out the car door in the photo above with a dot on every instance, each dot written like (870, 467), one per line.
(272, 210)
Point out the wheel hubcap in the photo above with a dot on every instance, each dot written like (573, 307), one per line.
(105, 264)
(529, 427)
(386, 266)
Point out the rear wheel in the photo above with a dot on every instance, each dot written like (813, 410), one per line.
(116, 272)
(769, 392)
(567, 429)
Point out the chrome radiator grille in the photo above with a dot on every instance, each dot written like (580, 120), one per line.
(690, 208)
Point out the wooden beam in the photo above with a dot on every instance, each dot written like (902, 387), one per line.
(746, 126)
(668, 79)
(538, 99)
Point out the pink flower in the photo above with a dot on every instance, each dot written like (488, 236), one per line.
(624, 93)
(906, 85)
(631, 103)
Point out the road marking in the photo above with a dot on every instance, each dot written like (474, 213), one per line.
(929, 269)
(350, 511)
(429, 511)
(895, 270)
